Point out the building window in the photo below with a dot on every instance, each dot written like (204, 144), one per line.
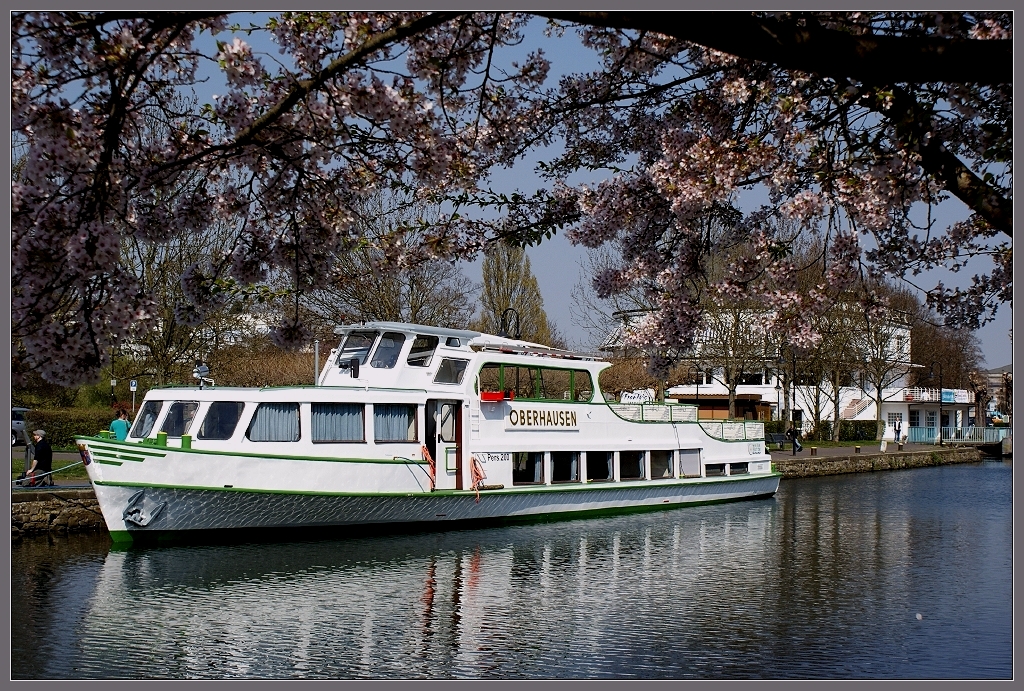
(394, 422)
(931, 418)
(915, 418)
(895, 419)
(337, 422)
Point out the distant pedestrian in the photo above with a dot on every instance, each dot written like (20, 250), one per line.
(120, 425)
(795, 438)
(42, 461)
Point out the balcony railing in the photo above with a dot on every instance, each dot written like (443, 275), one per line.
(916, 394)
(958, 435)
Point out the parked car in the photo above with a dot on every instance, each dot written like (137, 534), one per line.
(18, 426)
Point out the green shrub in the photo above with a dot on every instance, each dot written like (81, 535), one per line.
(857, 430)
(775, 426)
(62, 424)
(822, 432)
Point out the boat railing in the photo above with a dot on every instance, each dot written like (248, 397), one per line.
(655, 412)
(730, 430)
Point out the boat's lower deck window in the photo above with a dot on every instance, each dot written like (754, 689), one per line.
(661, 465)
(600, 466)
(221, 420)
(739, 468)
(274, 422)
(631, 465)
(394, 422)
(689, 462)
(337, 422)
(527, 468)
(714, 469)
(565, 466)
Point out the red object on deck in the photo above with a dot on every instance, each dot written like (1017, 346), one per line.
(492, 396)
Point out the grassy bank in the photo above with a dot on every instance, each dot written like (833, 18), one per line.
(75, 472)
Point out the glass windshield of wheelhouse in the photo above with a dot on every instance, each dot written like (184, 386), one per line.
(356, 346)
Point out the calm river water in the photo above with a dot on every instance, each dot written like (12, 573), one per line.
(885, 575)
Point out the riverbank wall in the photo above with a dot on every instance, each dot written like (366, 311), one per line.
(76, 510)
(54, 511)
(816, 466)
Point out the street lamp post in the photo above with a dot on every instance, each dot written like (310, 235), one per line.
(696, 374)
(931, 370)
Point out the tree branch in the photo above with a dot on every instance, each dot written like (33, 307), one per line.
(913, 125)
(812, 48)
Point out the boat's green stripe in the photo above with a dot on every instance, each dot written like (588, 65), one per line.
(270, 457)
(103, 462)
(588, 487)
(121, 456)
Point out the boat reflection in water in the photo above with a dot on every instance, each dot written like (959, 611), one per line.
(825, 580)
(504, 602)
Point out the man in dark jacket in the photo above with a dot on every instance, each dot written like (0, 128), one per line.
(42, 460)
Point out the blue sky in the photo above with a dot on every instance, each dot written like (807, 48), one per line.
(558, 264)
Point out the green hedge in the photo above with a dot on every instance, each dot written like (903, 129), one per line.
(62, 424)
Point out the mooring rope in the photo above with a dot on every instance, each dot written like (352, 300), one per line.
(38, 477)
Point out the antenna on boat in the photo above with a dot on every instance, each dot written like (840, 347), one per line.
(510, 324)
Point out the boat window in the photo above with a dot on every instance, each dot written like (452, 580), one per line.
(179, 416)
(521, 380)
(555, 384)
(528, 468)
(274, 422)
(582, 385)
(448, 426)
(631, 465)
(565, 466)
(337, 422)
(394, 422)
(453, 342)
(739, 468)
(451, 371)
(661, 464)
(357, 345)
(422, 350)
(146, 419)
(490, 377)
(221, 420)
(689, 462)
(714, 469)
(600, 466)
(388, 350)
(537, 383)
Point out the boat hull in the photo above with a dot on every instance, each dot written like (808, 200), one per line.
(132, 512)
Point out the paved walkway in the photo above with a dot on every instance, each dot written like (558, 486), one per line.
(865, 448)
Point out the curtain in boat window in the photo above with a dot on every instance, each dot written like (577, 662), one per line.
(275, 422)
(394, 422)
(337, 422)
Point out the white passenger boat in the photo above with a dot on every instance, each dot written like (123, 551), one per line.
(412, 424)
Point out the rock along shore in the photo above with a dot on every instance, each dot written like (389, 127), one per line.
(76, 510)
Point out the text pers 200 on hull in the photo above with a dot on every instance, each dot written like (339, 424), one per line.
(416, 424)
